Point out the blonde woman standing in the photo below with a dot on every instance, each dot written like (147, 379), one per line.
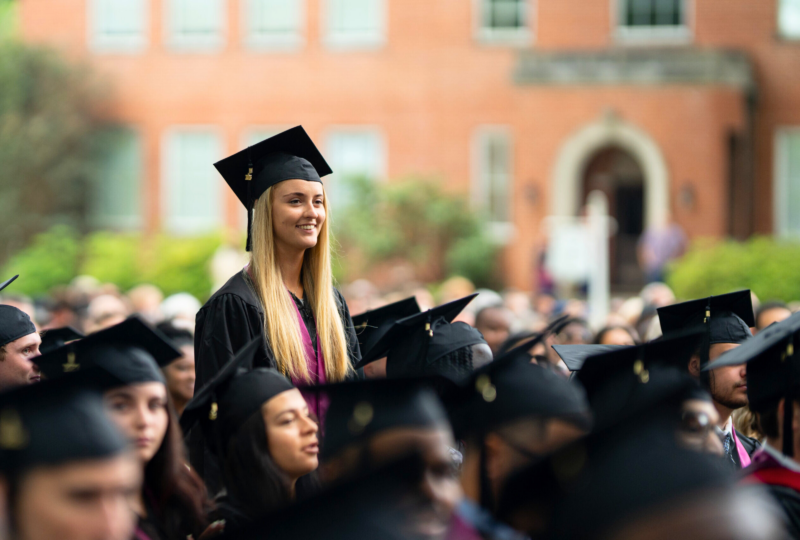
(285, 294)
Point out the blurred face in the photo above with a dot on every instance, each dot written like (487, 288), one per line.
(696, 430)
(617, 336)
(297, 214)
(495, 325)
(773, 315)
(574, 334)
(729, 386)
(180, 376)
(439, 483)
(140, 412)
(79, 501)
(19, 367)
(291, 433)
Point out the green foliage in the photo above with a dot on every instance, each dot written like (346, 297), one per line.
(174, 264)
(50, 143)
(52, 259)
(417, 221)
(767, 266)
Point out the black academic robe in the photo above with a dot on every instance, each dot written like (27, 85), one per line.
(231, 319)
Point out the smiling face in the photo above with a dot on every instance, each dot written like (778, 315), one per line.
(140, 412)
(298, 212)
(17, 365)
(291, 434)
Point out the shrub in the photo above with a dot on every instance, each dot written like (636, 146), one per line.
(767, 266)
(50, 260)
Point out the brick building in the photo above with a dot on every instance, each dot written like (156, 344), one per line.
(681, 108)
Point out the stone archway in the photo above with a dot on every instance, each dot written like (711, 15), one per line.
(608, 131)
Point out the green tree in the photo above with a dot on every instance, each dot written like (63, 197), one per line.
(50, 141)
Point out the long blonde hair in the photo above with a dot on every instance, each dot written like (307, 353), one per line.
(281, 326)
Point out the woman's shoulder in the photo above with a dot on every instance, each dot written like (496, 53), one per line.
(235, 290)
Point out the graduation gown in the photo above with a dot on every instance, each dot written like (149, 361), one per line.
(782, 483)
(231, 319)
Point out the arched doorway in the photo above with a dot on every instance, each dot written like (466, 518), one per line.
(618, 174)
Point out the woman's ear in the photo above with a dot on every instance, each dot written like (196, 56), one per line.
(694, 366)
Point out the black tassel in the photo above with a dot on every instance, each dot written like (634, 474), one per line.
(249, 245)
(250, 202)
(788, 432)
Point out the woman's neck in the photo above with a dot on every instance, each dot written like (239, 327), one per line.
(293, 490)
(138, 506)
(291, 264)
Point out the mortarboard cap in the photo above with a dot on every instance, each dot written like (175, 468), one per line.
(773, 370)
(130, 352)
(511, 388)
(290, 155)
(727, 317)
(180, 337)
(55, 422)
(7, 282)
(361, 409)
(371, 326)
(14, 324)
(56, 337)
(575, 355)
(235, 393)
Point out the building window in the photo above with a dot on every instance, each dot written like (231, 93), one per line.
(118, 25)
(195, 25)
(192, 189)
(116, 196)
(652, 20)
(789, 19)
(504, 21)
(787, 183)
(355, 23)
(354, 154)
(492, 177)
(274, 24)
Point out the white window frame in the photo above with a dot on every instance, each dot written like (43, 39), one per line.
(190, 226)
(780, 187)
(501, 232)
(100, 43)
(518, 37)
(273, 43)
(343, 41)
(128, 222)
(193, 44)
(783, 34)
(652, 35)
(375, 130)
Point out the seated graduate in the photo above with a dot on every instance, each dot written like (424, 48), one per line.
(262, 432)
(66, 472)
(725, 321)
(510, 413)
(375, 421)
(172, 503)
(179, 373)
(372, 325)
(429, 343)
(773, 389)
(19, 346)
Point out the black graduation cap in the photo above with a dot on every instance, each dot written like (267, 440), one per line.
(620, 383)
(383, 503)
(130, 352)
(55, 422)
(235, 393)
(361, 409)
(56, 337)
(727, 317)
(180, 337)
(14, 324)
(290, 155)
(592, 485)
(372, 325)
(510, 388)
(575, 355)
(7, 282)
(773, 370)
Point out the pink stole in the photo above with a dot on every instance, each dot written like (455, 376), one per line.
(316, 368)
(744, 457)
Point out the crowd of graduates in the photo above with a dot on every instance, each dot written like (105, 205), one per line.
(272, 412)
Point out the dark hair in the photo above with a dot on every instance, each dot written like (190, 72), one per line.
(255, 484)
(598, 339)
(178, 494)
(768, 422)
(456, 363)
(179, 336)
